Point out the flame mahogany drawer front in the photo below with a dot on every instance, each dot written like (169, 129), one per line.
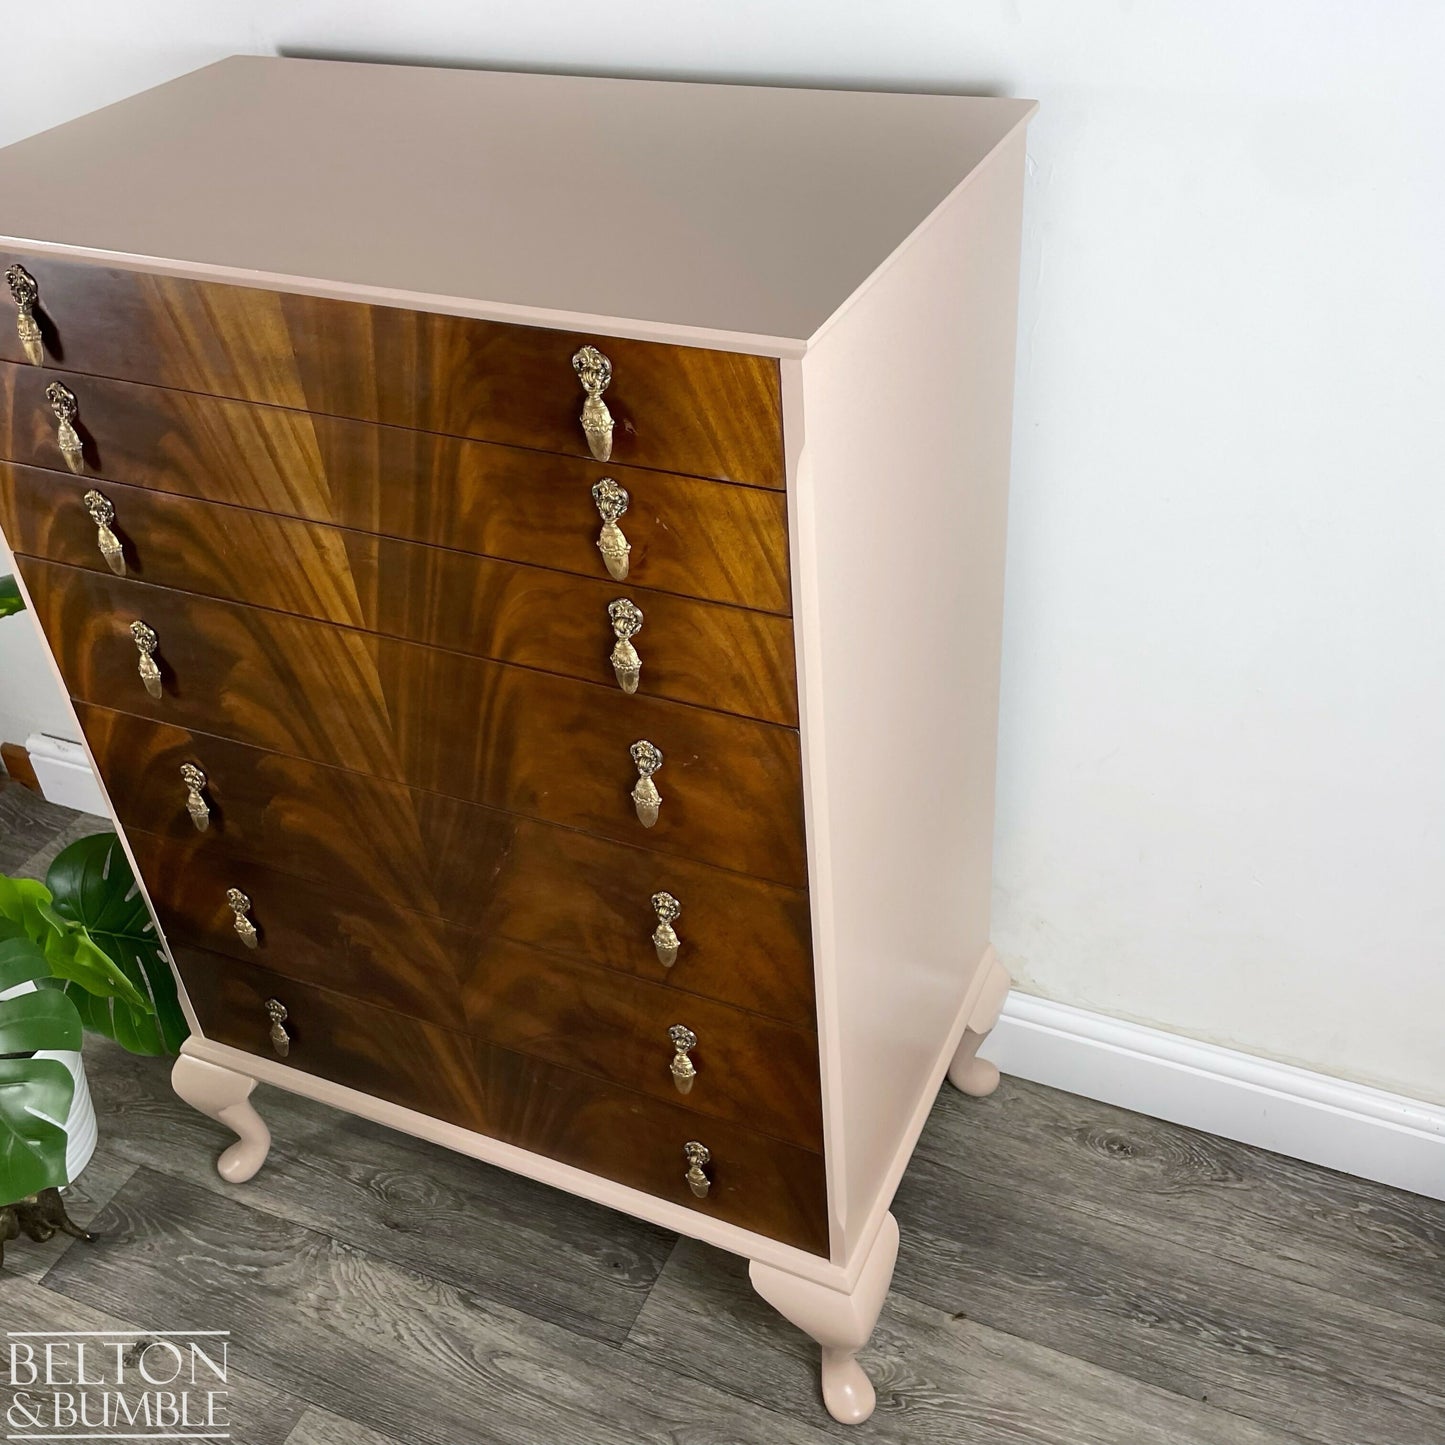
(611, 1025)
(682, 409)
(544, 746)
(697, 652)
(684, 535)
(742, 941)
(758, 1182)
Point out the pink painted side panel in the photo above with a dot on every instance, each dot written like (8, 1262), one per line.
(899, 506)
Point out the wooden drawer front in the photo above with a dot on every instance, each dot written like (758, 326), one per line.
(367, 948)
(610, 1025)
(709, 413)
(593, 1019)
(744, 941)
(691, 537)
(543, 746)
(721, 657)
(750, 1070)
(759, 1183)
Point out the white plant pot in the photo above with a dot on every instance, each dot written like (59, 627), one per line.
(79, 1124)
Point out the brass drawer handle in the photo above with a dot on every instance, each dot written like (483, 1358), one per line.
(594, 371)
(612, 501)
(102, 513)
(664, 936)
(146, 643)
(27, 295)
(280, 1040)
(240, 907)
(626, 619)
(645, 797)
(195, 781)
(697, 1155)
(64, 405)
(684, 1071)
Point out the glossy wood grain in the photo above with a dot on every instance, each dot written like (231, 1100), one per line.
(744, 941)
(708, 413)
(365, 947)
(689, 536)
(544, 746)
(721, 657)
(758, 1182)
(750, 1070)
(600, 1022)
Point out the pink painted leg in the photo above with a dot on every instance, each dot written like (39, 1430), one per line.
(225, 1096)
(840, 1322)
(975, 1076)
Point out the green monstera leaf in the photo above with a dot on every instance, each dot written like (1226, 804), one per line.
(21, 961)
(10, 599)
(111, 960)
(68, 949)
(25, 902)
(35, 1094)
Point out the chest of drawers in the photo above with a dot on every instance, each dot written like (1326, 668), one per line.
(526, 557)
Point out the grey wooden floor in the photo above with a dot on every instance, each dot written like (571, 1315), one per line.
(1070, 1274)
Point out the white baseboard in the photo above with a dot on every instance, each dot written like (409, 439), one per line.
(64, 774)
(1350, 1127)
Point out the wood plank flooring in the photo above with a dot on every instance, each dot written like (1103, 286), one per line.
(33, 831)
(1070, 1274)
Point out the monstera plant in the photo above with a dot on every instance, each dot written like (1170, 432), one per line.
(101, 950)
(96, 934)
(78, 951)
(32, 1092)
(39, 1030)
(36, 1090)
(104, 951)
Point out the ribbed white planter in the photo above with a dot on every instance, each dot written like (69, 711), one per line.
(79, 1124)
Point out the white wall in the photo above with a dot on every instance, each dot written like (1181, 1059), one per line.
(1223, 756)
(30, 702)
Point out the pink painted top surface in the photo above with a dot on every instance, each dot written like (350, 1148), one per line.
(734, 213)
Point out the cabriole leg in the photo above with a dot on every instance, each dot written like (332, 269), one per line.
(841, 1323)
(974, 1076)
(969, 1073)
(225, 1096)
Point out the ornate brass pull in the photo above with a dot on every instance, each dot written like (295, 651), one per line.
(612, 501)
(645, 797)
(664, 936)
(146, 643)
(626, 618)
(240, 907)
(277, 1012)
(697, 1155)
(103, 514)
(64, 405)
(195, 781)
(684, 1071)
(27, 295)
(594, 371)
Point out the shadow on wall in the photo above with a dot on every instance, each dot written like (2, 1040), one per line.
(805, 80)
